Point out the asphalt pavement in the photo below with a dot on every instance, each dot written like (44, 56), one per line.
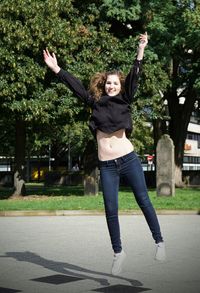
(72, 254)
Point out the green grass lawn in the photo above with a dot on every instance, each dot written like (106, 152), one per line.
(71, 198)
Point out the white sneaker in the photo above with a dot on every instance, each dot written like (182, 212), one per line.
(160, 251)
(117, 262)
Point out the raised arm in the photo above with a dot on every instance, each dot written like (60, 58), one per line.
(68, 79)
(131, 82)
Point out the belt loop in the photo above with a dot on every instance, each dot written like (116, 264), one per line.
(116, 162)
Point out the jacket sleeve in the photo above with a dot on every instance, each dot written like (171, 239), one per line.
(75, 86)
(131, 81)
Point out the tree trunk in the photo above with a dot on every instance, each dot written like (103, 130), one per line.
(179, 140)
(180, 117)
(90, 163)
(159, 128)
(178, 176)
(19, 168)
(178, 133)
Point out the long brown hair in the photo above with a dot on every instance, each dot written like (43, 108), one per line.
(97, 83)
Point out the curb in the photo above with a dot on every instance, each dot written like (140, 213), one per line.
(90, 213)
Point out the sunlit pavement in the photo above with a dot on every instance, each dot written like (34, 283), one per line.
(73, 254)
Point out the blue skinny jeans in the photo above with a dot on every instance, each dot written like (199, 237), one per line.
(129, 168)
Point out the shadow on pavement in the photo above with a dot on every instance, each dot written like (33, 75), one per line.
(69, 273)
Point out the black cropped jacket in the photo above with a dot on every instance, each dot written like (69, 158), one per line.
(109, 114)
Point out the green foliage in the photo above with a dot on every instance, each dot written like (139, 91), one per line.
(27, 87)
(122, 10)
(142, 138)
(27, 27)
(176, 38)
(7, 140)
(90, 36)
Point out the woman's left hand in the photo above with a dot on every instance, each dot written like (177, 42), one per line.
(143, 40)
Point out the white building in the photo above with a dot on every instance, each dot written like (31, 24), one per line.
(192, 145)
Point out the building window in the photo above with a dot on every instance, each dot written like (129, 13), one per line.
(191, 160)
(193, 136)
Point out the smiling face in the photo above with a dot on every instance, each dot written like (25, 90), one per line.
(112, 85)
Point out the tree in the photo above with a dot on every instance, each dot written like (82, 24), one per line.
(172, 67)
(23, 35)
(26, 91)
(177, 45)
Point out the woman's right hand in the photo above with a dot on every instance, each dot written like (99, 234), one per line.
(51, 61)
